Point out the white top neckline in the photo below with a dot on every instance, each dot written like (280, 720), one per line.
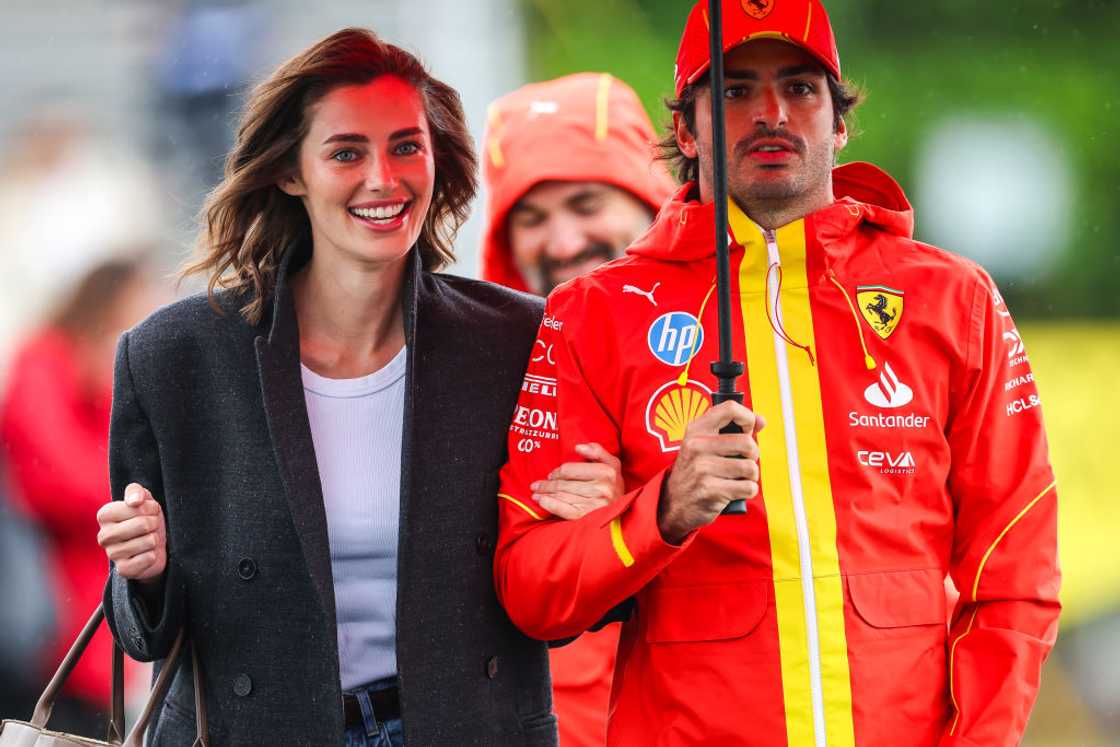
(361, 386)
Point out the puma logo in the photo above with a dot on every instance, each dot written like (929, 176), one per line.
(648, 294)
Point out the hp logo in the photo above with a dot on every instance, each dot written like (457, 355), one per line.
(675, 337)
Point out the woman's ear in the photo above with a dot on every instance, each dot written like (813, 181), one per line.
(293, 185)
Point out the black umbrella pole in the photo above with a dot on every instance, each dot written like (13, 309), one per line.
(725, 369)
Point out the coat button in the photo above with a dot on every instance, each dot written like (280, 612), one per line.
(483, 544)
(492, 667)
(242, 686)
(246, 569)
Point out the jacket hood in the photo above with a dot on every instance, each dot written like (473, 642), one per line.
(583, 127)
(685, 228)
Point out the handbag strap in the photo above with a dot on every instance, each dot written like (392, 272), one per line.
(46, 701)
(135, 737)
(159, 690)
(116, 709)
(202, 728)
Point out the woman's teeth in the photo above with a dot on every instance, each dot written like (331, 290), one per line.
(384, 212)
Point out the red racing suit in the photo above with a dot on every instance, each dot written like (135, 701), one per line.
(904, 446)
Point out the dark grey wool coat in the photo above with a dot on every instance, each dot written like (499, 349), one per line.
(209, 414)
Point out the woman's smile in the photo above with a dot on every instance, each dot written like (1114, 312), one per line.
(382, 215)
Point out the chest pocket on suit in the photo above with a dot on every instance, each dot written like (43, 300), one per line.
(710, 612)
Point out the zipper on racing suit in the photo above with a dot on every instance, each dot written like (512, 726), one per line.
(801, 521)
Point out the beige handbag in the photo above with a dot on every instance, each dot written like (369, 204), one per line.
(35, 733)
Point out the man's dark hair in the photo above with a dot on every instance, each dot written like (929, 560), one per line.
(845, 98)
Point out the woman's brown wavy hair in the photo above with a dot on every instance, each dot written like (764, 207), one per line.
(248, 222)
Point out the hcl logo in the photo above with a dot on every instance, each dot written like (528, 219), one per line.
(675, 337)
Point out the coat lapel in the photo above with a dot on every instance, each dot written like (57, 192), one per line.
(410, 295)
(278, 363)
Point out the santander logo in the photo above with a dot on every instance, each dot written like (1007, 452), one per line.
(888, 391)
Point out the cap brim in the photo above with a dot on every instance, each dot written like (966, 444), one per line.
(826, 64)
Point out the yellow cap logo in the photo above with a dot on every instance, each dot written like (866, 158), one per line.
(672, 407)
(881, 307)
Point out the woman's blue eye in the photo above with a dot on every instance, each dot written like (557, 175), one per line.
(345, 156)
(408, 149)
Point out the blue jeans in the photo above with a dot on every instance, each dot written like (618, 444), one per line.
(374, 732)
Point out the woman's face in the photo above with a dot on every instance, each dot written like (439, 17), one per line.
(366, 171)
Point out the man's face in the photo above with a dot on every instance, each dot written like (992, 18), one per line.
(559, 230)
(781, 139)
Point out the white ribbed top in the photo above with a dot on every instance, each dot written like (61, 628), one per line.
(356, 426)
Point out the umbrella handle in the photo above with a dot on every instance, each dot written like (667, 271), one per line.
(739, 505)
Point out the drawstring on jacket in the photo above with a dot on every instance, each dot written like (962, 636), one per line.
(775, 319)
(867, 359)
(682, 380)
(778, 328)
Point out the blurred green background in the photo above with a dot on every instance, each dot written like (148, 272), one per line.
(1051, 62)
(1054, 66)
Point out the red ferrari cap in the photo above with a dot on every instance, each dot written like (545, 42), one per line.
(801, 22)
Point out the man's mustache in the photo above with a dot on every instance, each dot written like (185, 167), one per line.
(744, 146)
(548, 265)
(596, 250)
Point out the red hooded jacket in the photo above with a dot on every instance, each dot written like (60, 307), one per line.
(904, 445)
(583, 127)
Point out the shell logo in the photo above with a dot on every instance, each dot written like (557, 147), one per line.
(672, 407)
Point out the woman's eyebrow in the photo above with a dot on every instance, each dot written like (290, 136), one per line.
(346, 137)
(406, 132)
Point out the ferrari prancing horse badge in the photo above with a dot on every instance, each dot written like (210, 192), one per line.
(758, 9)
(881, 307)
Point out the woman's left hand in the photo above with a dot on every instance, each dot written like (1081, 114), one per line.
(575, 489)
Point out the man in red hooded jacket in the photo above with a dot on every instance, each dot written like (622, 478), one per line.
(903, 444)
(571, 177)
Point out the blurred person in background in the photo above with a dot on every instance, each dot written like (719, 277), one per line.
(571, 177)
(902, 444)
(54, 430)
(69, 200)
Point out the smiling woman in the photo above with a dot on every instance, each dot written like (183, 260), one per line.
(335, 88)
(304, 459)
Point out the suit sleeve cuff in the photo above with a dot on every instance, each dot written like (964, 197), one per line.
(144, 627)
(632, 523)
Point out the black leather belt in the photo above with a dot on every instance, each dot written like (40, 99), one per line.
(386, 706)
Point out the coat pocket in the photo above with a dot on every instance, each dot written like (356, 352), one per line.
(897, 637)
(710, 612)
(897, 600)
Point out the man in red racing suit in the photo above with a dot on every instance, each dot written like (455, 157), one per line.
(903, 445)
